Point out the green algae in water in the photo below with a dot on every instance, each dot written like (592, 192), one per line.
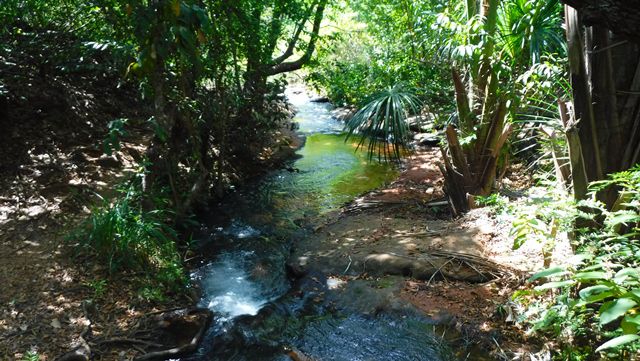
(334, 172)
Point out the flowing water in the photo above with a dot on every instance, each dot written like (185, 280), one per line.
(249, 238)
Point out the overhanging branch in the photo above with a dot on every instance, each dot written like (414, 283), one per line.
(294, 41)
(284, 67)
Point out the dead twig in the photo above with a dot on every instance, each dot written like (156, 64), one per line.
(348, 266)
(124, 340)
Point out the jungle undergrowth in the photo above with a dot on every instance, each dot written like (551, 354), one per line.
(586, 305)
(134, 233)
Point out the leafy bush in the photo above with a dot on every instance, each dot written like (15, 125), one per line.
(373, 50)
(599, 295)
(128, 237)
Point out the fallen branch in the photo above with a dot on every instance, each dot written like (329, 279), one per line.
(124, 340)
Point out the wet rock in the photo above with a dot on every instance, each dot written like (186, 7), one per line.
(320, 100)
(427, 139)
(344, 113)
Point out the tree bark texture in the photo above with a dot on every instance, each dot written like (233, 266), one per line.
(620, 16)
(605, 75)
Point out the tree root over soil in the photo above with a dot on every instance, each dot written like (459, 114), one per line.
(445, 264)
(160, 336)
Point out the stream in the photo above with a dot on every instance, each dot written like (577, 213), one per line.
(261, 312)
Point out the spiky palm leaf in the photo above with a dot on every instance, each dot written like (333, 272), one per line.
(529, 29)
(383, 122)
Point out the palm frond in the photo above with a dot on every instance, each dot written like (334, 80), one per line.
(382, 123)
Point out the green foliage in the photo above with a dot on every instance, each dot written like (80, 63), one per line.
(495, 200)
(99, 287)
(31, 355)
(531, 30)
(130, 238)
(380, 44)
(598, 294)
(384, 119)
(116, 131)
(541, 217)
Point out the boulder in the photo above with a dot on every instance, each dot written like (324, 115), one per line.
(427, 139)
(421, 123)
(344, 114)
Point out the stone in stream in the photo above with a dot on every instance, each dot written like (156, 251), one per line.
(344, 114)
(320, 100)
(421, 123)
(427, 139)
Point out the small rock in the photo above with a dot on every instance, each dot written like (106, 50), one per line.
(55, 323)
(109, 162)
(320, 100)
(427, 139)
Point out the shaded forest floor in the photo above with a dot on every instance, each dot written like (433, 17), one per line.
(53, 171)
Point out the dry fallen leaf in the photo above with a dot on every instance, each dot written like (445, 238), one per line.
(55, 323)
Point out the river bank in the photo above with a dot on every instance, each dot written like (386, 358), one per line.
(54, 173)
(401, 245)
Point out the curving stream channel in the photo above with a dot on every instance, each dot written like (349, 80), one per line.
(261, 313)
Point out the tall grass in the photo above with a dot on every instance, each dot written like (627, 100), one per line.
(127, 237)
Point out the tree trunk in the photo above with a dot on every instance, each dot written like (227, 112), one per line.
(605, 76)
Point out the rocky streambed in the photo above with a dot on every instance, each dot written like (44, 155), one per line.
(301, 267)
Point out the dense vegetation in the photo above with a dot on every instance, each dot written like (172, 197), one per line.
(497, 80)
(490, 70)
(204, 73)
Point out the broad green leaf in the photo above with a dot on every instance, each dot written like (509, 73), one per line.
(628, 328)
(613, 310)
(557, 284)
(594, 275)
(623, 218)
(588, 292)
(553, 271)
(625, 273)
(594, 267)
(630, 324)
(618, 341)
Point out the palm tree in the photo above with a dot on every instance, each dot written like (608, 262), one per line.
(530, 29)
(504, 37)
